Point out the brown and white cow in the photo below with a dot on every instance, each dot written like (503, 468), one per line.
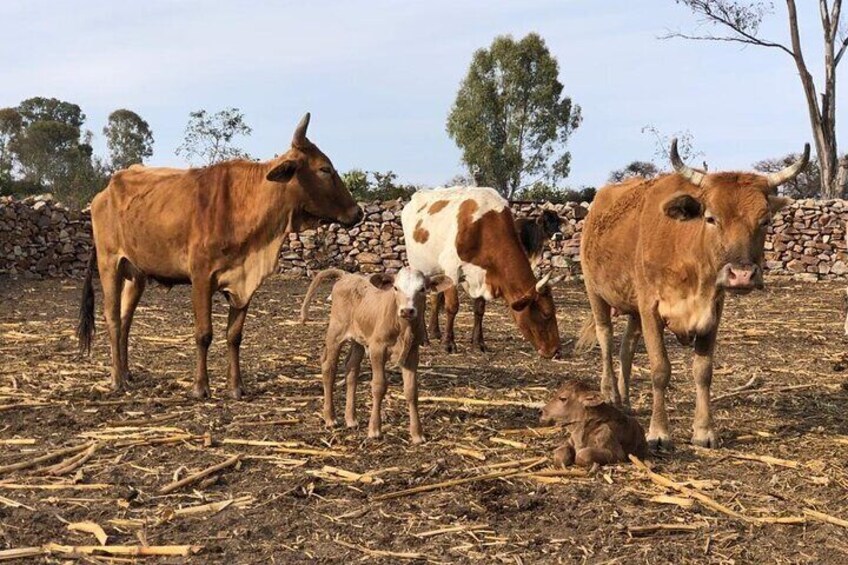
(534, 234)
(218, 228)
(665, 252)
(468, 234)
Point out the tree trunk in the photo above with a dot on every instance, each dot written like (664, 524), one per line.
(842, 178)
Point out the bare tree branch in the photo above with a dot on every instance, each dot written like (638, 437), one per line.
(745, 40)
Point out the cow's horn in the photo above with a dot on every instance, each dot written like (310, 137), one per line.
(690, 174)
(790, 172)
(300, 131)
(543, 282)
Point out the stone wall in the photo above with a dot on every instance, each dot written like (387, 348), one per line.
(40, 237)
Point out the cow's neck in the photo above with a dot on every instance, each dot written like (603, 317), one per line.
(510, 275)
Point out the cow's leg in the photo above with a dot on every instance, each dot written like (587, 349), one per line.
(451, 308)
(629, 341)
(437, 299)
(702, 370)
(329, 362)
(603, 449)
(410, 392)
(130, 296)
(235, 329)
(652, 328)
(111, 279)
(201, 298)
(477, 332)
(603, 330)
(378, 391)
(564, 454)
(352, 366)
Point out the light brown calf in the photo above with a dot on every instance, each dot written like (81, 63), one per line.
(599, 432)
(385, 314)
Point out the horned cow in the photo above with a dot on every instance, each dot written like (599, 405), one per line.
(468, 234)
(665, 252)
(217, 228)
(534, 234)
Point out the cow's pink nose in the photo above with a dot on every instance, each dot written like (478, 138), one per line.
(742, 276)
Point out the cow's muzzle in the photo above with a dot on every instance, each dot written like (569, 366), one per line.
(741, 277)
(353, 218)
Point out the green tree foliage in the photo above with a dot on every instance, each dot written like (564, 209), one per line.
(128, 138)
(209, 137)
(541, 192)
(805, 185)
(510, 118)
(644, 169)
(44, 149)
(384, 186)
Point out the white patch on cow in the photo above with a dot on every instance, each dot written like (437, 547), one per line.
(690, 315)
(408, 283)
(438, 254)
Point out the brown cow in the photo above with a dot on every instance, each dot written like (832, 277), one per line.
(218, 228)
(534, 234)
(598, 432)
(468, 234)
(665, 251)
(384, 313)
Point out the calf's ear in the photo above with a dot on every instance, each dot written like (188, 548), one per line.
(439, 283)
(283, 172)
(591, 399)
(382, 281)
(682, 207)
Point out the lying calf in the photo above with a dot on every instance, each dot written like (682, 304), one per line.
(385, 314)
(599, 432)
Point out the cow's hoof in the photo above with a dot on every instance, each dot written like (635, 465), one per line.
(480, 346)
(200, 392)
(351, 424)
(330, 422)
(236, 393)
(450, 347)
(660, 443)
(119, 388)
(375, 434)
(706, 438)
(418, 440)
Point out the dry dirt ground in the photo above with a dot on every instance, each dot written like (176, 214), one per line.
(302, 493)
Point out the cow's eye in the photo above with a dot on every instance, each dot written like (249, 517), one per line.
(710, 219)
(326, 170)
(764, 222)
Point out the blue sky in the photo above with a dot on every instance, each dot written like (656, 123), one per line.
(379, 77)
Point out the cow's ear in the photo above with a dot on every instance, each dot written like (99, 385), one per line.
(439, 283)
(591, 399)
(681, 206)
(778, 203)
(524, 301)
(283, 172)
(382, 281)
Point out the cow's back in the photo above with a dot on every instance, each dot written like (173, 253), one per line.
(431, 224)
(610, 240)
(144, 215)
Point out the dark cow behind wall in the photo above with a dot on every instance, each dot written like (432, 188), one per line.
(218, 228)
(665, 252)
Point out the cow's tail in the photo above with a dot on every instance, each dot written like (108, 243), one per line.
(313, 287)
(85, 329)
(588, 338)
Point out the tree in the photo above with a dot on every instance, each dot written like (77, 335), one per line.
(10, 126)
(541, 192)
(40, 109)
(128, 138)
(357, 183)
(740, 23)
(805, 185)
(510, 118)
(209, 137)
(644, 169)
